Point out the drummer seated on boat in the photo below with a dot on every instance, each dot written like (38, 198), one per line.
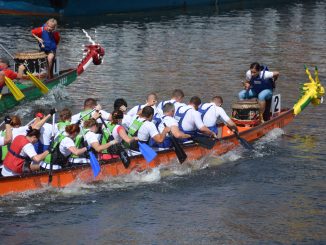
(48, 39)
(62, 147)
(151, 100)
(114, 130)
(169, 121)
(6, 72)
(22, 157)
(190, 121)
(90, 108)
(212, 113)
(145, 130)
(259, 84)
(176, 100)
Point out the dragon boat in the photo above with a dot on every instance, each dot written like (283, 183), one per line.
(28, 91)
(250, 130)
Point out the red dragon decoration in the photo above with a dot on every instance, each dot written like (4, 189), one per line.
(94, 53)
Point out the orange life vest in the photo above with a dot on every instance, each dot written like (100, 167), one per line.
(13, 160)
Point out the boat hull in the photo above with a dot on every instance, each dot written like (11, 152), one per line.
(62, 178)
(32, 93)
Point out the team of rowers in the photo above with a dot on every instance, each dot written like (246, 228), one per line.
(34, 146)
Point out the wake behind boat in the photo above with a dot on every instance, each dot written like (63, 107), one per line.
(249, 132)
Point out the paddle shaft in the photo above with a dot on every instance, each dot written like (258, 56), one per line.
(52, 139)
(179, 151)
(243, 142)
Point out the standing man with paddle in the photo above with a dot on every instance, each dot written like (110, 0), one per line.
(6, 72)
(48, 39)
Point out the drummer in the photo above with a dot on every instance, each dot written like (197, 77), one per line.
(48, 39)
(6, 72)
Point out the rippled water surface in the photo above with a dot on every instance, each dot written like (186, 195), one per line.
(273, 195)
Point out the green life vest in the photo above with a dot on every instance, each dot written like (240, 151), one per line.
(79, 142)
(107, 133)
(62, 125)
(134, 127)
(56, 157)
(84, 113)
(4, 148)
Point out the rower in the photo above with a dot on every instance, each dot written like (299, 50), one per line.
(22, 157)
(176, 100)
(212, 113)
(62, 147)
(143, 127)
(151, 100)
(89, 105)
(64, 119)
(259, 84)
(114, 130)
(169, 121)
(189, 119)
(121, 104)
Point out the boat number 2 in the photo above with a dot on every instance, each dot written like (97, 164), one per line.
(63, 81)
(276, 103)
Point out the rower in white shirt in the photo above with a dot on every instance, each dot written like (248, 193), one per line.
(176, 100)
(145, 130)
(169, 121)
(151, 100)
(189, 119)
(89, 105)
(212, 113)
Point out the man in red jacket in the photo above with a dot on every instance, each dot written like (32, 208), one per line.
(5, 71)
(48, 39)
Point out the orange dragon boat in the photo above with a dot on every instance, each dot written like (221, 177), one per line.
(249, 128)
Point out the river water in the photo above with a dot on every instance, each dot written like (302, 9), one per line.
(273, 195)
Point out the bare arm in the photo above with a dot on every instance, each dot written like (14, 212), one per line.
(275, 75)
(124, 136)
(8, 136)
(40, 157)
(208, 132)
(74, 150)
(179, 134)
(159, 138)
(98, 147)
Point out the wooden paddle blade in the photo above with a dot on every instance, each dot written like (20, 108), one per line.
(204, 141)
(243, 142)
(179, 151)
(14, 89)
(148, 153)
(38, 83)
(124, 156)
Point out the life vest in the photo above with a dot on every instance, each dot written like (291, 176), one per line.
(134, 127)
(179, 117)
(62, 125)
(84, 113)
(13, 161)
(48, 41)
(57, 157)
(80, 143)
(167, 140)
(259, 83)
(4, 148)
(166, 101)
(203, 111)
(107, 135)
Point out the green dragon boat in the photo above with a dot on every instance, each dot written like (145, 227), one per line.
(94, 53)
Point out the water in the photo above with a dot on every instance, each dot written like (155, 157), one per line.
(274, 195)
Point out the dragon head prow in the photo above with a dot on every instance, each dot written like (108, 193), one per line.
(93, 53)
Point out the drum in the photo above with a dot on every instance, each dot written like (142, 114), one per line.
(245, 112)
(36, 62)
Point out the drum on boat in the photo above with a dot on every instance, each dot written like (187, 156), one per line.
(246, 112)
(35, 61)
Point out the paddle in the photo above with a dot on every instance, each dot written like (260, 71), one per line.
(122, 153)
(52, 141)
(204, 141)
(93, 161)
(179, 151)
(243, 142)
(37, 82)
(148, 153)
(14, 89)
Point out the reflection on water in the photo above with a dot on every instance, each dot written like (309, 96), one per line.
(274, 194)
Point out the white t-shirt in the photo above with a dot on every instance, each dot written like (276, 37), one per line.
(126, 121)
(192, 119)
(133, 111)
(214, 114)
(175, 103)
(105, 115)
(2, 141)
(147, 130)
(91, 138)
(267, 75)
(65, 144)
(115, 132)
(19, 131)
(169, 122)
(46, 133)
